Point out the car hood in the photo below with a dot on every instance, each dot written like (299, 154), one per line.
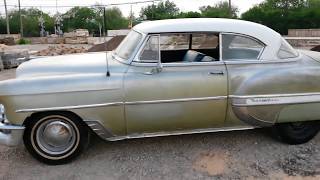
(68, 65)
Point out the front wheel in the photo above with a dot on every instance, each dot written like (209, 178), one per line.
(55, 138)
(298, 132)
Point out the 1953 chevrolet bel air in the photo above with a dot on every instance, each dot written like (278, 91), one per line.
(167, 77)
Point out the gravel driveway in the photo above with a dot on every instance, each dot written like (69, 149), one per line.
(251, 154)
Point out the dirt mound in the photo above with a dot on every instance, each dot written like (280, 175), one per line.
(7, 41)
(3, 47)
(60, 50)
(317, 48)
(109, 46)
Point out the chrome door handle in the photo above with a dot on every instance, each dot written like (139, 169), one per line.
(220, 73)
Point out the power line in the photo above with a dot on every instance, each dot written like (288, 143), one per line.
(97, 5)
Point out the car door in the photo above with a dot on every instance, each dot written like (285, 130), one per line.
(250, 79)
(173, 96)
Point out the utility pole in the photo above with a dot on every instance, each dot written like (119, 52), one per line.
(104, 21)
(21, 25)
(230, 9)
(131, 18)
(153, 7)
(7, 18)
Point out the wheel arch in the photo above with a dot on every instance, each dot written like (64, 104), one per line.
(62, 112)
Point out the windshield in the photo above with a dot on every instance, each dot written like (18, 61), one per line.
(128, 45)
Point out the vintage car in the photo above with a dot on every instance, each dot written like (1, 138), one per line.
(167, 77)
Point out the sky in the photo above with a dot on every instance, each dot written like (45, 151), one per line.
(183, 5)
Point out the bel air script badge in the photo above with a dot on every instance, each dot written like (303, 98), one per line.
(262, 101)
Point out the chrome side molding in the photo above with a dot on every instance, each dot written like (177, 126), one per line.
(106, 134)
(179, 132)
(237, 100)
(99, 129)
(178, 100)
(275, 99)
(68, 107)
(121, 103)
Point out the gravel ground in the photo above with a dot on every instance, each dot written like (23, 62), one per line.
(251, 154)
(7, 74)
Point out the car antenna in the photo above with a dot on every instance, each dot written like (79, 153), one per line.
(107, 61)
(106, 43)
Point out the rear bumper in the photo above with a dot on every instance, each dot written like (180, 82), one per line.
(10, 135)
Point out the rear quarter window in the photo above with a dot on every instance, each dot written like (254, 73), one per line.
(286, 51)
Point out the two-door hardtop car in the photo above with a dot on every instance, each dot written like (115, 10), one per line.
(167, 77)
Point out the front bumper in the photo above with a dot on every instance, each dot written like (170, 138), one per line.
(10, 135)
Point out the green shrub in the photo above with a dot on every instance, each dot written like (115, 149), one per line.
(24, 41)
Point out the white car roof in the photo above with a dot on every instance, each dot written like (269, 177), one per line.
(271, 38)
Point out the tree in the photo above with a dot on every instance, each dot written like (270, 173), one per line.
(30, 18)
(282, 15)
(115, 19)
(91, 18)
(80, 18)
(220, 10)
(163, 10)
(189, 14)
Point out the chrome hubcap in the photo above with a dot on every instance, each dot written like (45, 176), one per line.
(55, 137)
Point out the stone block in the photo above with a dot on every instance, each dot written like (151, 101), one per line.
(55, 40)
(76, 40)
(12, 59)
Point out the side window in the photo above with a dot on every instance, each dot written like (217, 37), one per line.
(286, 51)
(205, 41)
(181, 48)
(174, 42)
(237, 47)
(150, 52)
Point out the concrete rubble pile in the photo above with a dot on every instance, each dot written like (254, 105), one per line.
(7, 40)
(60, 50)
(1, 63)
(78, 36)
(12, 58)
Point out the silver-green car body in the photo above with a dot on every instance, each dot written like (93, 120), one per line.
(145, 99)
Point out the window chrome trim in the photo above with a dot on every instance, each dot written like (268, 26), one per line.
(137, 62)
(247, 36)
(261, 61)
(220, 46)
(131, 58)
(139, 54)
(214, 63)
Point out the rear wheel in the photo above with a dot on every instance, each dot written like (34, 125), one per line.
(298, 132)
(55, 138)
